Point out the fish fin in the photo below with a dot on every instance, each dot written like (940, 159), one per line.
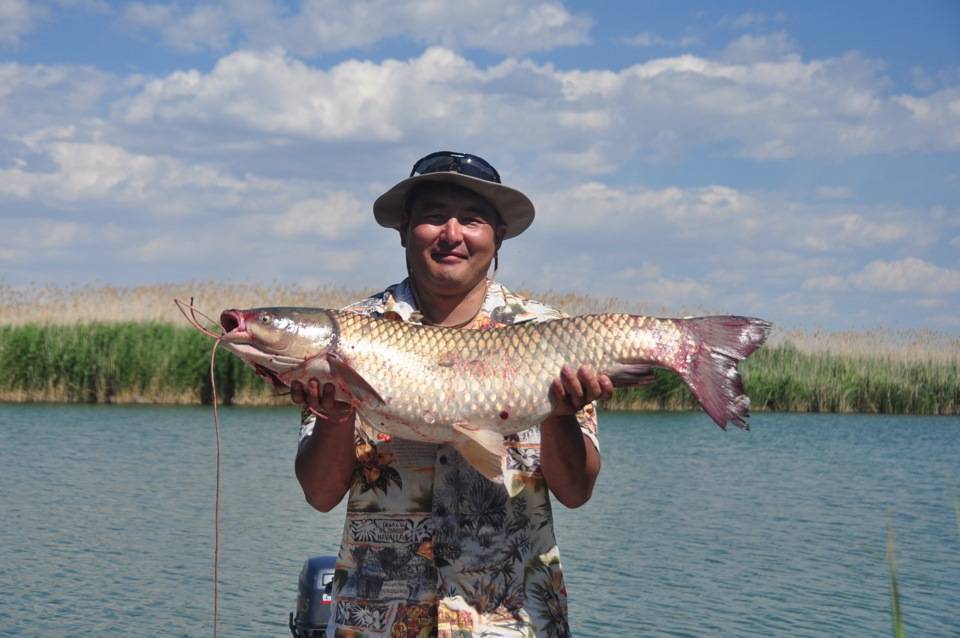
(722, 343)
(355, 383)
(485, 451)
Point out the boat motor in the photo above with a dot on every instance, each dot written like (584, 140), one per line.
(314, 595)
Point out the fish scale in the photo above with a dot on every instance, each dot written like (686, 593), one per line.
(475, 376)
(469, 388)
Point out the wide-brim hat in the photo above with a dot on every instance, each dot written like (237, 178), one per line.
(515, 209)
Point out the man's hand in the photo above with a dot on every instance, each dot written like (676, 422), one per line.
(569, 460)
(321, 401)
(573, 390)
(325, 459)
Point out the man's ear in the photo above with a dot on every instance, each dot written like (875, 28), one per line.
(499, 234)
(404, 225)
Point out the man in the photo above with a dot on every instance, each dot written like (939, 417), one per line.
(431, 547)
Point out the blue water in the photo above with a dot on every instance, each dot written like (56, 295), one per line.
(106, 525)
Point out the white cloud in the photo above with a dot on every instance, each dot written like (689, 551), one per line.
(109, 179)
(650, 39)
(587, 162)
(328, 217)
(203, 27)
(751, 19)
(86, 172)
(35, 97)
(584, 122)
(272, 93)
(803, 306)
(753, 48)
(318, 26)
(91, 6)
(18, 18)
(855, 230)
(684, 295)
(909, 275)
(834, 192)
(26, 237)
(597, 207)
(826, 283)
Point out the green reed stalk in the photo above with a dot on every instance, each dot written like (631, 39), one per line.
(896, 615)
(119, 362)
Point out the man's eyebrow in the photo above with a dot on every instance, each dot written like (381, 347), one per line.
(477, 209)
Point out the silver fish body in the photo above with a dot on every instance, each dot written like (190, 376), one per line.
(470, 387)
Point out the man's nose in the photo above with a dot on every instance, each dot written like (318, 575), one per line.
(452, 231)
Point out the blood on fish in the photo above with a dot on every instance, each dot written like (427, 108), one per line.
(504, 415)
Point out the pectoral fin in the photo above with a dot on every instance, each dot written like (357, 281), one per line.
(356, 384)
(485, 451)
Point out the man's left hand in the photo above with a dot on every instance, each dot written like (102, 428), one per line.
(571, 391)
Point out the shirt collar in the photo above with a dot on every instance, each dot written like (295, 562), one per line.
(399, 302)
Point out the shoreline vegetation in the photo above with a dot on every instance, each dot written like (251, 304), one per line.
(102, 344)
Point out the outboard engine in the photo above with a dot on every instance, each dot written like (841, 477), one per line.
(314, 593)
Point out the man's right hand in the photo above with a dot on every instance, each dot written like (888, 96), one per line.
(327, 457)
(321, 401)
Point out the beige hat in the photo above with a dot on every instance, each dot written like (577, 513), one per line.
(465, 170)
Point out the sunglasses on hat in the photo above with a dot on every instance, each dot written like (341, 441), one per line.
(463, 163)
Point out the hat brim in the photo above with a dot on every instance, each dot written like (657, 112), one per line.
(515, 209)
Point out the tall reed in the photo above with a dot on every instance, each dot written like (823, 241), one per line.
(896, 614)
(119, 363)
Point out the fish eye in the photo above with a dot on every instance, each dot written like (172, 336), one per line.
(265, 318)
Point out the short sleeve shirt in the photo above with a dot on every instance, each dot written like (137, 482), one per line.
(431, 547)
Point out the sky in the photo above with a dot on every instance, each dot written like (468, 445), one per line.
(794, 161)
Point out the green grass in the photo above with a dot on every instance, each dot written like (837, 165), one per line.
(896, 613)
(130, 362)
(118, 362)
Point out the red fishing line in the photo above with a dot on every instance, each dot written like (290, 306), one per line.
(216, 507)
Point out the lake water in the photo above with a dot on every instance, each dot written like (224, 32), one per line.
(107, 524)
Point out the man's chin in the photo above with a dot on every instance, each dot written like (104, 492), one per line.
(454, 278)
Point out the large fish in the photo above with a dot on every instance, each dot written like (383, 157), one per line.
(469, 388)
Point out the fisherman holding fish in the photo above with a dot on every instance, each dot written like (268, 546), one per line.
(449, 408)
(430, 545)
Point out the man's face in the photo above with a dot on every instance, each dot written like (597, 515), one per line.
(451, 236)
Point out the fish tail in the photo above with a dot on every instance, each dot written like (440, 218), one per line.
(720, 343)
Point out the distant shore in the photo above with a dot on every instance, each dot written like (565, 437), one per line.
(111, 345)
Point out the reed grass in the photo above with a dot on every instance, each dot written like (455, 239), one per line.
(129, 362)
(896, 614)
(96, 303)
(113, 344)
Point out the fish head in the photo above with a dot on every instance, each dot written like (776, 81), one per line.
(277, 342)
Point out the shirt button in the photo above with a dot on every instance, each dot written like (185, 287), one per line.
(443, 459)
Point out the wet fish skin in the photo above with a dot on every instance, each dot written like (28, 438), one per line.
(467, 387)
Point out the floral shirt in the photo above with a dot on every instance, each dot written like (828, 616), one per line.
(431, 547)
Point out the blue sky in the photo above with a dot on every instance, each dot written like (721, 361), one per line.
(796, 161)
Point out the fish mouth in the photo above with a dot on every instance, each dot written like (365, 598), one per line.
(233, 324)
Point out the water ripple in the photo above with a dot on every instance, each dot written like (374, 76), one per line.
(108, 515)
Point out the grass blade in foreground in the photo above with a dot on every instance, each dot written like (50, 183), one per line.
(895, 613)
